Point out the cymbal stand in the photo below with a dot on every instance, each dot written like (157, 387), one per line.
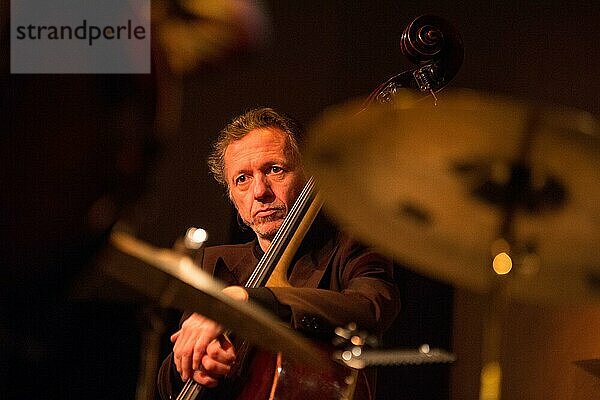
(152, 332)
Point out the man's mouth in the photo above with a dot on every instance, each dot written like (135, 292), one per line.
(269, 212)
(265, 213)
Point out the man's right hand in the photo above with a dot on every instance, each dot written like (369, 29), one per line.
(196, 340)
(200, 351)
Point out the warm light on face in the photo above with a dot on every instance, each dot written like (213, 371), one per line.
(502, 264)
(264, 181)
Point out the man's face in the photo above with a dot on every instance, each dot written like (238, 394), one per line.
(263, 180)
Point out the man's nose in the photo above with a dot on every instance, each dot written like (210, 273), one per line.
(262, 188)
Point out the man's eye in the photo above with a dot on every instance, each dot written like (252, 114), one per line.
(240, 179)
(276, 169)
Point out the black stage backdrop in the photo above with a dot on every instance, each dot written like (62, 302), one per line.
(79, 152)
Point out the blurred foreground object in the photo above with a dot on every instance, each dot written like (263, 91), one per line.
(189, 34)
(175, 281)
(193, 32)
(447, 188)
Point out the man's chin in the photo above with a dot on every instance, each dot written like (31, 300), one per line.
(267, 230)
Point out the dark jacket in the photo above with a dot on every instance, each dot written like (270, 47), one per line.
(334, 280)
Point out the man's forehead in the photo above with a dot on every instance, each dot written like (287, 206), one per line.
(261, 143)
(267, 131)
(262, 138)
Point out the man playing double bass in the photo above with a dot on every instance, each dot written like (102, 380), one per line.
(334, 280)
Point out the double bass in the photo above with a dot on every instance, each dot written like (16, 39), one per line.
(436, 48)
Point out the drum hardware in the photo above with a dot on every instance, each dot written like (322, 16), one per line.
(356, 349)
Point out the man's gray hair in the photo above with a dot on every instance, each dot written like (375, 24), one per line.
(240, 126)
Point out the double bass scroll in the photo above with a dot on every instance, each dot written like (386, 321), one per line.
(436, 47)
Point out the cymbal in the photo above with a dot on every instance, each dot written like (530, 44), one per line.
(592, 366)
(435, 186)
(175, 281)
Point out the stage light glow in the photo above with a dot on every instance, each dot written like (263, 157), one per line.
(502, 264)
(195, 238)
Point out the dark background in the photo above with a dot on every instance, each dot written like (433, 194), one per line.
(80, 152)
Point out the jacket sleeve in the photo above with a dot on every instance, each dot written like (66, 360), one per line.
(360, 289)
